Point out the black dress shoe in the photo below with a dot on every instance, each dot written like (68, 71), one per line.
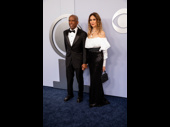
(93, 105)
(79, 99)
(68, 98)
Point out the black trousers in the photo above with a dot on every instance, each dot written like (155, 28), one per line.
(70, 77)
(96, 93)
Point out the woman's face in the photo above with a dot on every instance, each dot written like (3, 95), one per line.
(93, 21)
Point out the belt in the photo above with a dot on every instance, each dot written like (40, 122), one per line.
(93, 49)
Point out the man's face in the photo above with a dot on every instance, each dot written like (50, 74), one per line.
(72, 22)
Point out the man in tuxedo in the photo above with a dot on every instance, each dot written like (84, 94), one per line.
(74, 39)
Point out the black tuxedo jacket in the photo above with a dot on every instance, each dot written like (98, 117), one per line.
(76, 54)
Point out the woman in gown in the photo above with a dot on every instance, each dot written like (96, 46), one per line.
(96, 45)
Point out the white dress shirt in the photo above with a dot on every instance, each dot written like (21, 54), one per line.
(72, 35)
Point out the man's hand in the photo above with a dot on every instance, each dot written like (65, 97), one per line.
(84, 66)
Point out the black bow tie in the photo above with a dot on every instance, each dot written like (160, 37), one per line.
(72, 31)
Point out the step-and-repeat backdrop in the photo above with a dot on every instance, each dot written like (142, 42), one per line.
(114, 19)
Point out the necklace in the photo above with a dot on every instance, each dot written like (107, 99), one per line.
(92, 33)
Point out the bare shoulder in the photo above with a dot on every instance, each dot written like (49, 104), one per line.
(102, 34)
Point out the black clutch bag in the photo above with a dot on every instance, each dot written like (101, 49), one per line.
(104, 77)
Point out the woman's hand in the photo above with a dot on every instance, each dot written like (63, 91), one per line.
(104, 68)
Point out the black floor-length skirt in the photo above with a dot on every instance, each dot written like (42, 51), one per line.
(96, 93)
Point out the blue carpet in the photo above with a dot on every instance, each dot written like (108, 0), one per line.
(57, 113)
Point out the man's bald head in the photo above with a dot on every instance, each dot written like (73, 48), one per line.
(73, 21)
(76, 18)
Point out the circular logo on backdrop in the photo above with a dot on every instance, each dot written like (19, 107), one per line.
(56, 34)
(121, 24)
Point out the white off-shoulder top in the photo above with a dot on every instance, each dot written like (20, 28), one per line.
(96, 43)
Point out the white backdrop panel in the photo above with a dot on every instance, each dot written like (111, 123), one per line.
(116, 63)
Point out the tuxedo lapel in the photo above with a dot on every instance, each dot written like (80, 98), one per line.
(77, 36)
(67, 37)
